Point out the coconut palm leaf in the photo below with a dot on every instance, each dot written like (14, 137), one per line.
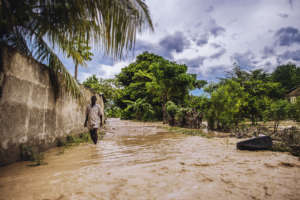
(37, 27)
(59, 75)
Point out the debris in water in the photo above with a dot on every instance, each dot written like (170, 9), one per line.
(259, 143)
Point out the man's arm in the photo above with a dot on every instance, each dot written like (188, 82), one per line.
(100, 115)
(86, 120)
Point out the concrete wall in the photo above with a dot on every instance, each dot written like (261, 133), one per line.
(29, 112)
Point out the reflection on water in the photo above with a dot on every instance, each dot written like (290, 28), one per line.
(141, 161)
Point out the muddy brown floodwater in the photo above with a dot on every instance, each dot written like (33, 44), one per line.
(142, 161)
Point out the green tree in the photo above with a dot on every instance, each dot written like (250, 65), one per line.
(170, 81)
(199, 103)
(108, 87)
(259, 88)
(259, 94)
(37, 27)
(156, 80)
(278, 110)
(294, 110)
(225, 106)
(80, 54)
(110, 90)
(288, 75)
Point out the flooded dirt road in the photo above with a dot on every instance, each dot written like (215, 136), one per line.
(143, 161)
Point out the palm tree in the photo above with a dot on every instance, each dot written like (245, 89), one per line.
(37, 27)
(82, 54)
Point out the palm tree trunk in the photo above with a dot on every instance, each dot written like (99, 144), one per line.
(76, 71)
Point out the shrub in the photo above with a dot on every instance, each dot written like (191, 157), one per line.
(172, 109)
(31, 153)
(180, 116)
(277, 111)
(294, 110)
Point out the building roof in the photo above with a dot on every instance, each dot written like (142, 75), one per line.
(294, 93)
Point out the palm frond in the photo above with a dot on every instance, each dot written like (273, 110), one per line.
(60, 77)
(16, 40)
(128, 102)
(110, 25)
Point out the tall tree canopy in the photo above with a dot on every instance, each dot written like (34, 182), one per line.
(156, 81)
(82, 53)
(37, 27)
(107, 87)
(288, 75)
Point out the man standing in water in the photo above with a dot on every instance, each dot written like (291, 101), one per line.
(93, 118)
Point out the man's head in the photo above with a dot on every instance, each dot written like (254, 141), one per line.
(93, 100)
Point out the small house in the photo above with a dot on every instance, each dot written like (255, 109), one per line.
(292, 95)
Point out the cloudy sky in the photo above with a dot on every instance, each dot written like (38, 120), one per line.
(209, 36)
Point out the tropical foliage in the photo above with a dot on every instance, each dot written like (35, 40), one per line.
(110, 90)
(38, 27)
(154, 80)
(242, 96)
(141, 109)
(152, 88)
(81, 54)
(277, 111)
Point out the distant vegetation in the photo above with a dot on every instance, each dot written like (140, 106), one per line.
(254, 96)
(152, 88)
(110, 90)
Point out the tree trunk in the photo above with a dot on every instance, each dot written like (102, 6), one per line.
(165, 117)
(76, 71)
(164, 108)
(253, 119)
(276, 124)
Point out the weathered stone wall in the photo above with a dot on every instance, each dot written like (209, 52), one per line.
(30, 114)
